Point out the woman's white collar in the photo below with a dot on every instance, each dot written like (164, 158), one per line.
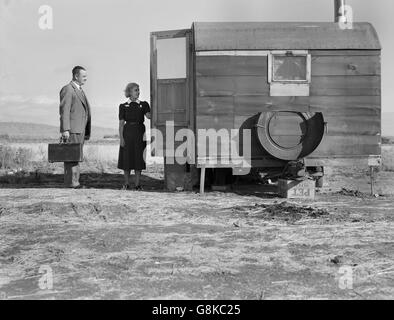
(129, 101)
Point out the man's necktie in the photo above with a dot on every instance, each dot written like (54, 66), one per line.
(83, 94)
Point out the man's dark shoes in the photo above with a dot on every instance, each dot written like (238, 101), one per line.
(80, 186)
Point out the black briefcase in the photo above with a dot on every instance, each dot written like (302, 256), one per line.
(65, 152)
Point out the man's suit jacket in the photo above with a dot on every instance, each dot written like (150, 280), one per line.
(74, 111)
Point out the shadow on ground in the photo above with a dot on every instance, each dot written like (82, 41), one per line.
(257, 190)
(113, 181)
(109, 181)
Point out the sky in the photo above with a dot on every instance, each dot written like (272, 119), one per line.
(110, 38)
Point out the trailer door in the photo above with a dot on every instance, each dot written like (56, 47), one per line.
(171, 81)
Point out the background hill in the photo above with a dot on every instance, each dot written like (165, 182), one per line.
(32, 131)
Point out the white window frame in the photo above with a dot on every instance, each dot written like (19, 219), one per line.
(283, 88)
(295, 53)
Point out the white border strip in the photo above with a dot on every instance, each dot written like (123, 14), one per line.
(233, 53)
(294, 52)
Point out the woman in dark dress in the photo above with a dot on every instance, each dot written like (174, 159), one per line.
(131, 132)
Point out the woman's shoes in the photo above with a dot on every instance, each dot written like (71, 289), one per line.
(126, 187)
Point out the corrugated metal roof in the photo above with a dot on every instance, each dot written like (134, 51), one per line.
(283, 36)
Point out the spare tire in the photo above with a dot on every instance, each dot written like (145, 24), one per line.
(289, 135)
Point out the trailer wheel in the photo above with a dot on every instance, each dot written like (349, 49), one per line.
(290, 135)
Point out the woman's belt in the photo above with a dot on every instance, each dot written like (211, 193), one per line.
(133, 122)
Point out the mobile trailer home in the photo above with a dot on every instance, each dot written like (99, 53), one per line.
(307, 91)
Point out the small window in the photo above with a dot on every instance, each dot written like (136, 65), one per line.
(289, 73)
(289, 66)
(171, 58)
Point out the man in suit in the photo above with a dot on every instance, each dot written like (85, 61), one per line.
(75, 121)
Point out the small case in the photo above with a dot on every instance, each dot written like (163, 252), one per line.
(65, 152)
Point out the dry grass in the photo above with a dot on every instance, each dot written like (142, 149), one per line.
(14, 158)
(33, 157)
(109, 244)
(388, 158)
(29, 156)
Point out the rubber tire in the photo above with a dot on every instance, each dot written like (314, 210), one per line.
(313, 136)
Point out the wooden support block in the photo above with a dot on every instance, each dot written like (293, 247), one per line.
(177, 177)
(202, 180)
(241, 171)
(222, 188)
(294, 189)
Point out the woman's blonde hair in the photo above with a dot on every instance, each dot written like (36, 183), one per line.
(130, 87)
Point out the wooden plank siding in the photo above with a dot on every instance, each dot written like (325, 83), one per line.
(346, 66)
(173, 145)
(345, 86)
(231, 66)
(348, 145)
(249, 105)
(172, 97)
(216, 86)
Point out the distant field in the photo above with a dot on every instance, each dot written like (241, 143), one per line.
(15, 131)
(99, 153)
(387, 140)
(388, 158)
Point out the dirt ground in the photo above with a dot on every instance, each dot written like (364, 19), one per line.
(103, 243)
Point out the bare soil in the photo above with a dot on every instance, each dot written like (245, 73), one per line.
(103, 243)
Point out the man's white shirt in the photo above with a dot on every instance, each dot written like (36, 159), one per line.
(77, 85)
